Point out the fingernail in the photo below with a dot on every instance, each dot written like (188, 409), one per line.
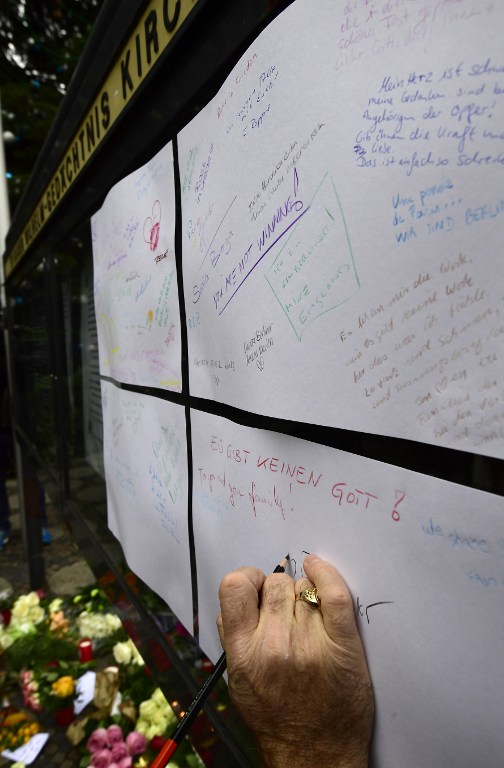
(312, 558)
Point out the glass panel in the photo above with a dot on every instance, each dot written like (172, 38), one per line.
(33, 368)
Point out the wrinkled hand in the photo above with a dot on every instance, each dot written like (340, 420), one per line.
(297, 673)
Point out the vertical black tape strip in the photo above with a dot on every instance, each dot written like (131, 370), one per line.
(185, 383)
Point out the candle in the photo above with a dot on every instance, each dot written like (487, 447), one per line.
(85, 650)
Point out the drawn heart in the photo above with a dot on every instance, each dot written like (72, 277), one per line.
(152, 226)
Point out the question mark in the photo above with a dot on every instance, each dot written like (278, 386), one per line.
(399, 497)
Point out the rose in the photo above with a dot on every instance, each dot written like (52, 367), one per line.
(112, 622)
(20, 611)
(26, 610)
(33, 599)
(126, 762)
(63, 686)
(136, 743)
(101, 758)
(122, 653)
(98, 740)
(114, 735)
(127, 653)
(118, 751)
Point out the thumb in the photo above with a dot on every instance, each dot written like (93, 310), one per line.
(220, 630)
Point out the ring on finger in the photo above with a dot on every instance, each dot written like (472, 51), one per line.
(310, 596)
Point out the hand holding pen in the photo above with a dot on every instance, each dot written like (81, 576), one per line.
(296, 666)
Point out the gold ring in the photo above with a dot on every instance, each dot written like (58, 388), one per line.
(310, 596)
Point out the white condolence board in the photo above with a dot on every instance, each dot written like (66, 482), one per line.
(145, 457)
(423, 558)
(343, 223)
(135, 278)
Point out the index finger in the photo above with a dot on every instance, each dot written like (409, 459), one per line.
(336, 602)
(239, 600)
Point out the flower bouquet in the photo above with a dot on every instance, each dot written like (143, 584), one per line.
(51, 688)
(38, 630)
(16, 728)
(109, 748)
(136, 682)
(131, 719)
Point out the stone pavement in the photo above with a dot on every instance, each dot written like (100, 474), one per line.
(66, 573)
(65, 569)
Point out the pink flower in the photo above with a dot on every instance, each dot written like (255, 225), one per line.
(98, 740)
(119, 751)
(101, 758)
(126, 762)
(115, 734)
(136, 743)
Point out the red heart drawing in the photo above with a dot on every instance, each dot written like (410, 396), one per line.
(152, 226)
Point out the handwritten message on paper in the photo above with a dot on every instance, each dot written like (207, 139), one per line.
(135, 279)
(145, 457)
(341, 269)
(425, 573)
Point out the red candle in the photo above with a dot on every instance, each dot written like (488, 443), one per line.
(85, 650)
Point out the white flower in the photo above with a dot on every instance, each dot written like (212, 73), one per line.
(154, 730)
(136, 657)
(159, 698)
(26, 611)
(122, 653)
(32, 599)
(148, 709)
(55, 605)
(96, 625)
(6, 639)
(126, 653)
(113, 622)
(161, 718)
(142, 726)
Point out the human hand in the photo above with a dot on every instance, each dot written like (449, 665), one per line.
(297, 673)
